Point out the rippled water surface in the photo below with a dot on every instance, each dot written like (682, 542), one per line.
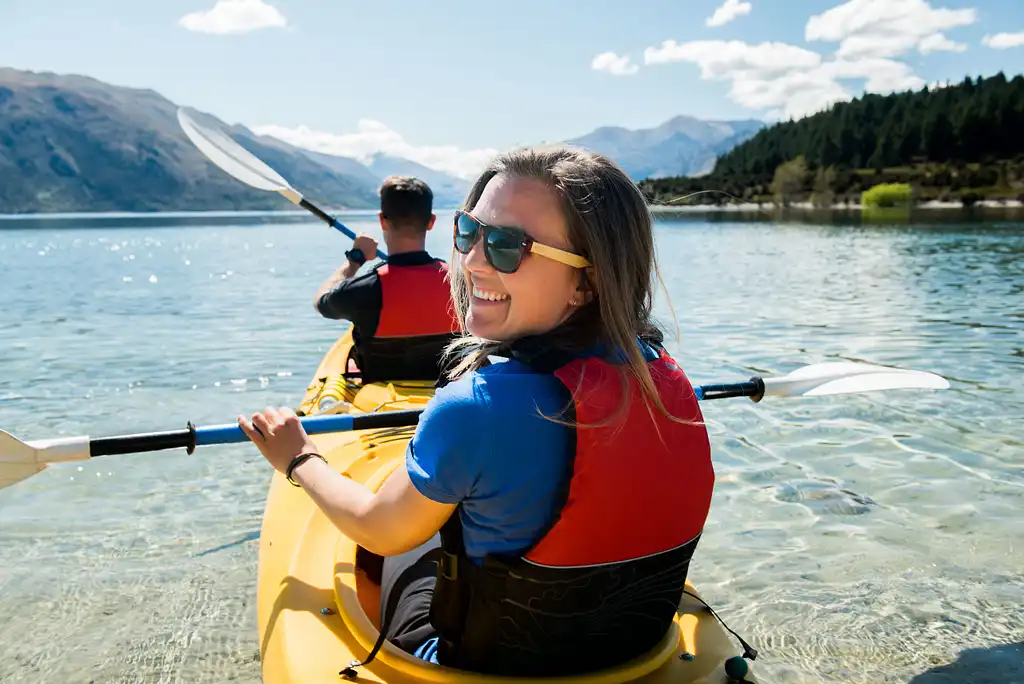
(860, 538)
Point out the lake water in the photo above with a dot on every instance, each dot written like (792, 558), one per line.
(861, 538)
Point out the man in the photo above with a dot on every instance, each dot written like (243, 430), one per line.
(401, 311)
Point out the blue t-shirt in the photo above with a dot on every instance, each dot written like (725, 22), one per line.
(481, 441)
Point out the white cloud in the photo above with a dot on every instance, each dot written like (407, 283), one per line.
(881, 75)
(786, 79)
(766, 75)
(1002, 41)
(938, 42)
(719, 58)
(728, 11)
(374, 137)
(793, 94)
(792, 81)
(884, 28)
(234, 16)
(613, 64)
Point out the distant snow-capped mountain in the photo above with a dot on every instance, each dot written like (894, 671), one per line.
(682, 146)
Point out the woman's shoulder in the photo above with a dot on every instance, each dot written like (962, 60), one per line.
(499, 386)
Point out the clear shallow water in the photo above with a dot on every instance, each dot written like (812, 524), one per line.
(864, 538)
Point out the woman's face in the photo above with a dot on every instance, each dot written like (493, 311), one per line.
(542, 293)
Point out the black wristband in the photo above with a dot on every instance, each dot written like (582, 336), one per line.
(299, 460)
(356, 256)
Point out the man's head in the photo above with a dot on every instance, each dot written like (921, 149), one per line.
(406, 211)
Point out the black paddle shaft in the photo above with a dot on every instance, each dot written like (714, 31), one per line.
(753, 388)
(150, 441)
(319, 213)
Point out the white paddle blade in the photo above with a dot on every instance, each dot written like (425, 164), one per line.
(847, 377)
(20, 460)
(230, 156)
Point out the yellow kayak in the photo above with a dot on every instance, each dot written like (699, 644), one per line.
(318, 610)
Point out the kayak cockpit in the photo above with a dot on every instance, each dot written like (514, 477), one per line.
(318, 593)
(357, 590)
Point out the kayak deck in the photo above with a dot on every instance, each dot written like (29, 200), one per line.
(317, 599)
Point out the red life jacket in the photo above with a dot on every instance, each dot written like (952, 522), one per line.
(639, 488)
(415, 301)
(603, 584)
(417, 321)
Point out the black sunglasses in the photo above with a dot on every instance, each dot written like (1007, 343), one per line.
(505, 246)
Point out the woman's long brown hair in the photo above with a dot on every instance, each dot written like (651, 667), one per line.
(610, 224)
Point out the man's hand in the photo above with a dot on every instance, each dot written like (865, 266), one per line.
(367, 245)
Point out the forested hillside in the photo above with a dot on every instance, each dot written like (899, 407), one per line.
(947, 143)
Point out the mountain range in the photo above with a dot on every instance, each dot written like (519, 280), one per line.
(73, 143)
(682, 146)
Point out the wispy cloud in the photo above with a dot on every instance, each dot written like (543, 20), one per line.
(728, 11)
(939, 43)
(792, 81)
(233, 17)
(720, 58)
(884, 28)
(1004, 41)
(373, 137)
(614, 64)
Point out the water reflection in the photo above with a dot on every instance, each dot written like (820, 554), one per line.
(862, 538)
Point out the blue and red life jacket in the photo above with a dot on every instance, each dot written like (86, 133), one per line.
(603, 584)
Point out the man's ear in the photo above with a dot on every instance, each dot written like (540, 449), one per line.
(430, 224)
(384, 225)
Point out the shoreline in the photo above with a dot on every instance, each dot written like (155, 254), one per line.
(198, 214)
(851, 207)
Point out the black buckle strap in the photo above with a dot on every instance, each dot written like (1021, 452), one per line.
(407, 575)
(350, 670)
(749, 652)
(448, 566)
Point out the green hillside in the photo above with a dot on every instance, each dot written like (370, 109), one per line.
(962, 142)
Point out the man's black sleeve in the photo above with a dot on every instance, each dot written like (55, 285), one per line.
(356, 299)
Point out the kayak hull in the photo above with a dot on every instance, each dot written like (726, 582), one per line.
(318, 609)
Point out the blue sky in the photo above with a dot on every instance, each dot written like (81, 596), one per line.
(447, 82)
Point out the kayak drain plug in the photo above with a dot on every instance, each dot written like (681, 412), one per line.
(326, 611)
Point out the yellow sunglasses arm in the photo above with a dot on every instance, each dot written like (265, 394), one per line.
(561, 255)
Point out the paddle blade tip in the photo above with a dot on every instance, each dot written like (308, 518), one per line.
(204, 131)
(849, 377)
(878, 381)
(18, 460)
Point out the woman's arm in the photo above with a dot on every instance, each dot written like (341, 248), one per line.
(393, 520)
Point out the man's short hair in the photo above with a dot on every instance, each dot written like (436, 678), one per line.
(406, 202)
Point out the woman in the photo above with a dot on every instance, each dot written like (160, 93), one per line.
(579, 469)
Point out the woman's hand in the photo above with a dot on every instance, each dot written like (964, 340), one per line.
(393, 520)
(278, 435)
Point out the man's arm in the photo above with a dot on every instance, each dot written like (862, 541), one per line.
(343, 297)
(347, 270)
(355, 299)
